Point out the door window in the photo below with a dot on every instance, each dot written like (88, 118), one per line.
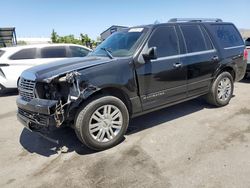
(29, 53)
(53, 52)
(165, 40)
(208, 42)
(78, 51)
(194, 38)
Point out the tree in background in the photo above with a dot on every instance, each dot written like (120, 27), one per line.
(86, 40)
(83, 40)
(54, 36)
(68, 39)
(21, 43)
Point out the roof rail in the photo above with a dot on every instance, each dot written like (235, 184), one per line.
(195, 20)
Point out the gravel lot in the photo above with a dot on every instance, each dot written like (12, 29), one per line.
(188, 145)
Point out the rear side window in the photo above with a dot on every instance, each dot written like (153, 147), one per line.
(53, 52)
(1, 52)
(78, 51)
(227, 35)
(165, 40)
(196, 39)
(29, 53)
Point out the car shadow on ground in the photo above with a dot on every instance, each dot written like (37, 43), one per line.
(9, 93)
(246, 80)
(34, 143)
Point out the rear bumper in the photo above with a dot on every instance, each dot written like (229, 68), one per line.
(37, 115)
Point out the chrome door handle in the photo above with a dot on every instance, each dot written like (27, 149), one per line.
(177, 65)
(215, 58)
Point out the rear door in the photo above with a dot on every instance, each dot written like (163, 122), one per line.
(201, 58)
(53, 53)
(163, 80)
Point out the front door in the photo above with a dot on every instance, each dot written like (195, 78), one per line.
(162, 80)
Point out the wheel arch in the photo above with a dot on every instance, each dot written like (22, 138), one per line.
(112, 91)
(226, 69)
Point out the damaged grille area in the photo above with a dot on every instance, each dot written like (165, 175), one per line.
(26, 89)
(41, 119)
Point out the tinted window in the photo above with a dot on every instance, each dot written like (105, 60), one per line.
(208, 42)
(227, 35)
(1, 52)
(194, 39)
(165, 40)
(53, 52)
(247, 42)
(78, 51)
(29, 53)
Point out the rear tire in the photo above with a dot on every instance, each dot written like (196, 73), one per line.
(102, 122)
(221, 91)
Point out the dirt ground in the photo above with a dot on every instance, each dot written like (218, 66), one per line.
(188, 145)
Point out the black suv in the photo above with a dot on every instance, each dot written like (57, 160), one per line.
(133, 72)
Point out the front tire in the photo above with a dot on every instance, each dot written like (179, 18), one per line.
(102, 122)
(222, 90)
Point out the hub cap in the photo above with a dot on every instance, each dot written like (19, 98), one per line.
(224, 89)
(105, 123)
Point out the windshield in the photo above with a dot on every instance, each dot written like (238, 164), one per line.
(120, 44)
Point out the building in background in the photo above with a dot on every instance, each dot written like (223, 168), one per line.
(8, 36)
(114, 28)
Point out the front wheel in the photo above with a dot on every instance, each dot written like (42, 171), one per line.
(221, 91)
(102, 123)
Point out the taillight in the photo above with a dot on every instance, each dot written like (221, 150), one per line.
(245, 54)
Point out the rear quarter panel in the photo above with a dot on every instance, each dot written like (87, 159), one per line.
(232, 57)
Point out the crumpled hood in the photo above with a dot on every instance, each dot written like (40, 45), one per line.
(60, 67)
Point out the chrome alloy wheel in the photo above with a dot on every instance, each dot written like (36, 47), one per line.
(105, 123)
(224, 89)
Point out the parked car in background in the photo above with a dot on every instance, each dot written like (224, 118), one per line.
(247, 42)
(133, 72)
(14, 60)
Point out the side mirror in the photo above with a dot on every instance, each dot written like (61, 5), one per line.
(150, 54)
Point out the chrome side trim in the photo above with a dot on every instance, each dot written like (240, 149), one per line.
(185, 55)
(234, 47)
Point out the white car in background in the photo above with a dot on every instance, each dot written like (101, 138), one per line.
(14, 60)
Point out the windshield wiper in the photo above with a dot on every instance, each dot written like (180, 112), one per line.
(108, 53)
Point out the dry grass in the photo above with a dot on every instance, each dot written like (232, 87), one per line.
(245, 33)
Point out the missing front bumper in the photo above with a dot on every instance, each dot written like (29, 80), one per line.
(28, 125)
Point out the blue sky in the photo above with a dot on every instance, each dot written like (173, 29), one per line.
(37, 18)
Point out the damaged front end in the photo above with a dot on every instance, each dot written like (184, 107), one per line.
(47, 105)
